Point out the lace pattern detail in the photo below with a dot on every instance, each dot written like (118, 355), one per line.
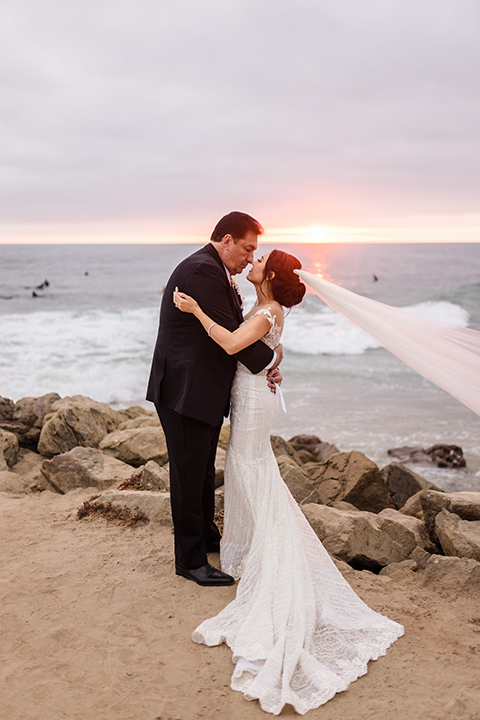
(298, 632)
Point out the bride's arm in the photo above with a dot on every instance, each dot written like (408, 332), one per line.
(231, 342)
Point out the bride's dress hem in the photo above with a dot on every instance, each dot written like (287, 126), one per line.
(243, 684)
(298, 632)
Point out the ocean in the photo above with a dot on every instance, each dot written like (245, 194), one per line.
(92, 330)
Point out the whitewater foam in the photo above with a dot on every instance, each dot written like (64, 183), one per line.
(107, 354)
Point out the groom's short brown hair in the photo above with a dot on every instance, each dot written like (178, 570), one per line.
(236, 224)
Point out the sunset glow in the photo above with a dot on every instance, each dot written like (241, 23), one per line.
(439, 229)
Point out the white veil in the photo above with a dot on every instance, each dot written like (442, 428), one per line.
(447, 355)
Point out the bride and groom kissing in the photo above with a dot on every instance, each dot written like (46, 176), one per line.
(298, 632)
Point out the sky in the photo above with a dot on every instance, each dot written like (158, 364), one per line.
(328, 120)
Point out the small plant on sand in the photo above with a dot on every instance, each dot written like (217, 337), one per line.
(134, 482)
(120, 514)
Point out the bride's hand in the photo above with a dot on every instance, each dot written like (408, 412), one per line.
(184, 302)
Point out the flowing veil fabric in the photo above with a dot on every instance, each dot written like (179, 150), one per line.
(447, 355)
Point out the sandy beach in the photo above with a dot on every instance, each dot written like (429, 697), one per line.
(95, 625)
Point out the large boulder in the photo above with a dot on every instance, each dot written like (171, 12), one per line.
(155, 477)
(281, 447)
(29, 466)
(8, 449)
(453, 574)
(413, 506)
(352, 477)
(311, 449)
(84, 467)
(136, 411)
(464, 504)
(154, 505)
(458, 537)
(403, 483)
(366, 540)
(76, 421)
(136, 446)
(299, 484)
(450, 456)
(140, 421)
(29, 414)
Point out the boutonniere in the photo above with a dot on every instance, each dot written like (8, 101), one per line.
(237, 290)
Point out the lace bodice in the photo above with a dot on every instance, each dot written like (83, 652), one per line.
(273, 336)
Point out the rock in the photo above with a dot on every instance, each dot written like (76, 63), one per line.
(410, 454)
(29, 466)
(281, 447)
(457, 537)
(8, 449)
(464, 504)
(442, 455)
(141, 421)
(219, 467)
(401, 569)
(342, 505)
(421, 557)
(304, 456)
(29, 414)
(84, 467)
(453, 574)
(219, 499)
(312, 448)
(224, 437)
(352, 477)
(308, 442)
(136, 446)
(413, 506)
(137, 411)
(450, 456)
(76, 421)
(288, 460)
(412, 524)
(11, 482)
(155, 477)
(299, 484)
(6, 412)
(403, 483)
(154, 505)
(363, 539)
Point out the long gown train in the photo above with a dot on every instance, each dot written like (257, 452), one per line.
(298, 632)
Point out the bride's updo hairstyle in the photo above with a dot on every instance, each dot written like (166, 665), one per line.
(286, 286)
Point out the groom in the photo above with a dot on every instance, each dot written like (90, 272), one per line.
(190, 383)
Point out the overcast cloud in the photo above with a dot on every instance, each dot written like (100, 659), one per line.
(171, 112)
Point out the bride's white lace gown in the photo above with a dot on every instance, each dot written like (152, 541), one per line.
(298, 632)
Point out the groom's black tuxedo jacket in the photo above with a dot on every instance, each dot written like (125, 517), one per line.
(190, 373)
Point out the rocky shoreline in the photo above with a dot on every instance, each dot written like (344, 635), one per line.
(386, 520)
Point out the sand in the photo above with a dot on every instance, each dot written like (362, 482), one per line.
(96, 626)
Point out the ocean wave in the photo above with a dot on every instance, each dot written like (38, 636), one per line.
(107, 354)
(321, 331)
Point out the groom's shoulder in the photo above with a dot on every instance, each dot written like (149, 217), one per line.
(205, 257)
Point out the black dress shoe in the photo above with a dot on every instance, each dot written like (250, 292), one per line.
(205, 575)
(213, 547)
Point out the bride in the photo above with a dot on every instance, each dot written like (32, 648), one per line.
(297, 631)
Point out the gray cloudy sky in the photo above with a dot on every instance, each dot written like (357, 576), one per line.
(157, 116)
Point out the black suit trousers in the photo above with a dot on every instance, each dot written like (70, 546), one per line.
(192, 445)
